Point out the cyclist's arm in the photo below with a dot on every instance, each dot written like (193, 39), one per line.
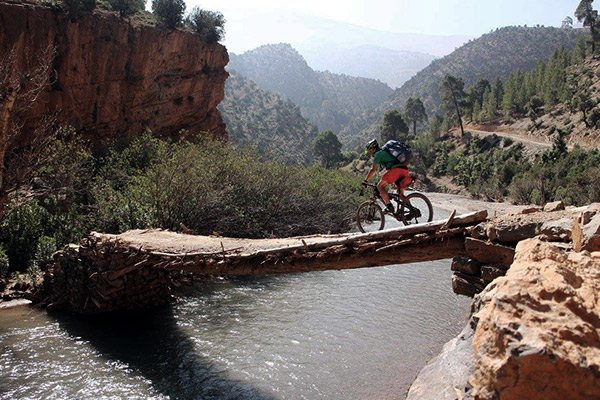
(371, 172)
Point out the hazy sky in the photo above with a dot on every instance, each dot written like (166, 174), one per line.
(436, 17)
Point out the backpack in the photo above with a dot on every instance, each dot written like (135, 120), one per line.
(399, 150)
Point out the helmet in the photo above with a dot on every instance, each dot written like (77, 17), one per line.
(372, 145)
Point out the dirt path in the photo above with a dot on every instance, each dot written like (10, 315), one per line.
(537, 145)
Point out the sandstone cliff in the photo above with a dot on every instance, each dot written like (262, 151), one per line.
(113, 77)
(535, 332)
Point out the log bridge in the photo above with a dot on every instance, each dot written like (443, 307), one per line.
(137, 269)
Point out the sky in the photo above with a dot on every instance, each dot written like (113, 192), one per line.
(433, 17)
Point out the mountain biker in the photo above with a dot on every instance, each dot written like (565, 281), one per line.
(396, 173)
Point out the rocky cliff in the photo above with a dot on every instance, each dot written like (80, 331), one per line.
(534, 333)
(113, 77)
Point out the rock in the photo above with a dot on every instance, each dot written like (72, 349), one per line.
(559, 229)
(115, 78)
(487, 252)
(554, 206)
(467, 285)
(466, 265)
(587, 237)
(530, 210)
(538, 329)
(479, 232)
(513, 232)
(491, 272)
(446, 376)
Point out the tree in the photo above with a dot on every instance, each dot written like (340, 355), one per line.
(126, 7)
(567, 23)
(328, 149)
(22, 138)
(169, 12)
(210, 24)
(393, 126)
(414, 111)
(586, 14)
(453, 95)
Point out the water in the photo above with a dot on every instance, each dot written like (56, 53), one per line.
(353, 334)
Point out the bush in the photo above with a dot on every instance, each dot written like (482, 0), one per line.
(4, 266)
(210, 24)
(126, 7)
(169, 12)
(21, 230)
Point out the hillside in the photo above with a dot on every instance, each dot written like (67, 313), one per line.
(495, 54)
(263, 119)
(565, 117)
(328, 100)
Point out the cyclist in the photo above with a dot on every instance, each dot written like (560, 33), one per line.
(396, 173)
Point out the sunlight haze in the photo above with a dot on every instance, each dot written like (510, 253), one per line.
(470, 18)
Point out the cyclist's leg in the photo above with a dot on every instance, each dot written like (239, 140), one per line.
(388, 178)
(402, 182)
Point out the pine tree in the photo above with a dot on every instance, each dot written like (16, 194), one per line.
(414, 112)
(453, 96)
(586, 14)
(393, 126)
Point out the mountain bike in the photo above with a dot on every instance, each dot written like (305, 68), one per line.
(371, 214)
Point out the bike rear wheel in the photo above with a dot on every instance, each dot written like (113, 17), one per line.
(420, 209)
(370, 217)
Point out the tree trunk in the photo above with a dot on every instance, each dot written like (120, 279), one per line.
(462, 130)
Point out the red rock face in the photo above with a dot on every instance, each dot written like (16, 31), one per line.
(115, 79)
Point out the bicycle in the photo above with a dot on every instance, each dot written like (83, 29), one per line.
(370, 215)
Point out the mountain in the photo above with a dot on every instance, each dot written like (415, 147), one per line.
(265, 120)
(495, 54)
(393, 67)
(329, 100)
(305, 32)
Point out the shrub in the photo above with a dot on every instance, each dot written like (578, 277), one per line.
(21, 230)
(127, 7)
(210, 24)
(169, 12)
(4, 266)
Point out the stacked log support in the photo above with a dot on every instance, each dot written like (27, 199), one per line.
(491, 248)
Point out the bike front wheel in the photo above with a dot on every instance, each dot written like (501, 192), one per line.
(370, 217)
(419, 211)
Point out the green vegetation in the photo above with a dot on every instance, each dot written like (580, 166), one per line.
(267, 121)
(169, 12)
(393, 127)
(453, 95)
(496, 54)
(328, 149)
(328, 100)
(210, 24)
(414, 112)
(127, 7)
(207, 186)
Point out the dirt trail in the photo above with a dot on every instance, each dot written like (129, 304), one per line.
(537, 145)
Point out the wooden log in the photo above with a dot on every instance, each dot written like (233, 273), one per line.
(467, 285)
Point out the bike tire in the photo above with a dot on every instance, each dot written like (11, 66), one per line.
(421, 202)
(370, 217)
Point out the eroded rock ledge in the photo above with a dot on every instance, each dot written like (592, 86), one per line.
(113, 77)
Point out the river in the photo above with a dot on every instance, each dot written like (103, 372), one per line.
(351, 334)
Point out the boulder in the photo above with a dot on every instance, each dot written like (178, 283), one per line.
(490, 253)
(467, 285)
(554, 206)
(466, 265)
(538, 329)
(446, 376)
(587, 237)
(559, 229)
(491, 272)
